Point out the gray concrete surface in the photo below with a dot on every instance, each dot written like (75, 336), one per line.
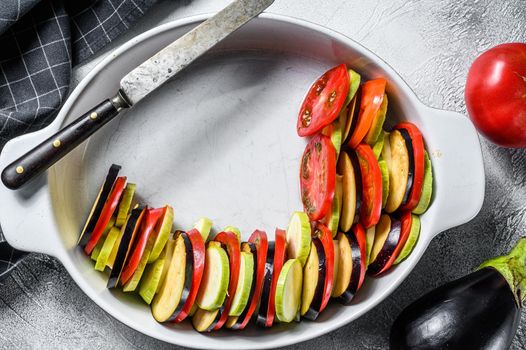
(431, 44)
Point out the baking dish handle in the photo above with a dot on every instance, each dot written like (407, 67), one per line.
(458, 169)
(25, 215)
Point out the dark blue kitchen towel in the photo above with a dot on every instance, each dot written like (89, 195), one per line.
(40, 42)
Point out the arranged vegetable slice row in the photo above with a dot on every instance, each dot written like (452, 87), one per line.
(350, 170)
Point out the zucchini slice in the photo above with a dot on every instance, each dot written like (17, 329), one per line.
(96, 251)
(385, 181)
(245, 281)
(204, 225)
(107, 248)
(98, 205)
(411, 240)
(234, 230)
(298, 237)
(396, 156)
(427, 188)
(379, 145)
(161, 233)
(125, 205)
(375, 131)
(288, 291)
(334, 219)
(170, 294)
(152, 277)
(214, 285)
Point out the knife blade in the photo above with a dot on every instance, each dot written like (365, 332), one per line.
(135, 85)
(177, 56)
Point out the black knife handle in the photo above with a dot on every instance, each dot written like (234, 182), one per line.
(58, 145)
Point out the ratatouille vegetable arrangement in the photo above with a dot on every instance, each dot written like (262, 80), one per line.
(362, 187)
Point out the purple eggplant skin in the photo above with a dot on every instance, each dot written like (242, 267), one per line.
(477, 311)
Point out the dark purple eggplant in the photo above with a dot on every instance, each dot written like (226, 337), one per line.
(478, 311)
(93, 217)
(315, 305)
(261, 319)
(354, 283)
(411, 170)
(128, 236)
(358, 181)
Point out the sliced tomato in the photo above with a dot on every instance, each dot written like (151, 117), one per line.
(406, 221)
(325, 236)
(371, 186)
(279, 260)
(318, 177)
(259, 238)
(359, 235)
(231, 243)
(106, 213)
(373, 92)
(418, 175)
(324, 101)
(148, 224)
(198, 253)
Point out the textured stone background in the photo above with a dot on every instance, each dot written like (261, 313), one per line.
(431, 44)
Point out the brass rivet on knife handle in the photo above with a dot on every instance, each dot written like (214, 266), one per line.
(57, 146)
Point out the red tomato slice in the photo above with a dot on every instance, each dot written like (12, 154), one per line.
(231, 242)
(371, 186)
(325, 236)
(418, 155)
(106, 214)
(198, 251)
(150, 220)
(324, 101)
(406, 220)
(318, 176)
(279, 260)
(373, 92)
(359, 234)
(259, 238)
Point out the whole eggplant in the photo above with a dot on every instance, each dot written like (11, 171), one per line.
(478, 311)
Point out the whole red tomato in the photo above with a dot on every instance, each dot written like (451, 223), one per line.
(496, 94)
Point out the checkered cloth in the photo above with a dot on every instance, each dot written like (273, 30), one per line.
(40, 42)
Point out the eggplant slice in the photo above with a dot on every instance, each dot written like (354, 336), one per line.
(132, 226)
(354, 283)
(411, 169)
(98, 205)
(315, 306)
(267, 284)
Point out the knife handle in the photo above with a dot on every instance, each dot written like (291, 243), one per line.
(47, 153)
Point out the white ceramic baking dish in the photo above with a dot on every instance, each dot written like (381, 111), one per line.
(220, 141)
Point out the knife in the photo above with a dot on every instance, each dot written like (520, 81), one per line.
(136, 85)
